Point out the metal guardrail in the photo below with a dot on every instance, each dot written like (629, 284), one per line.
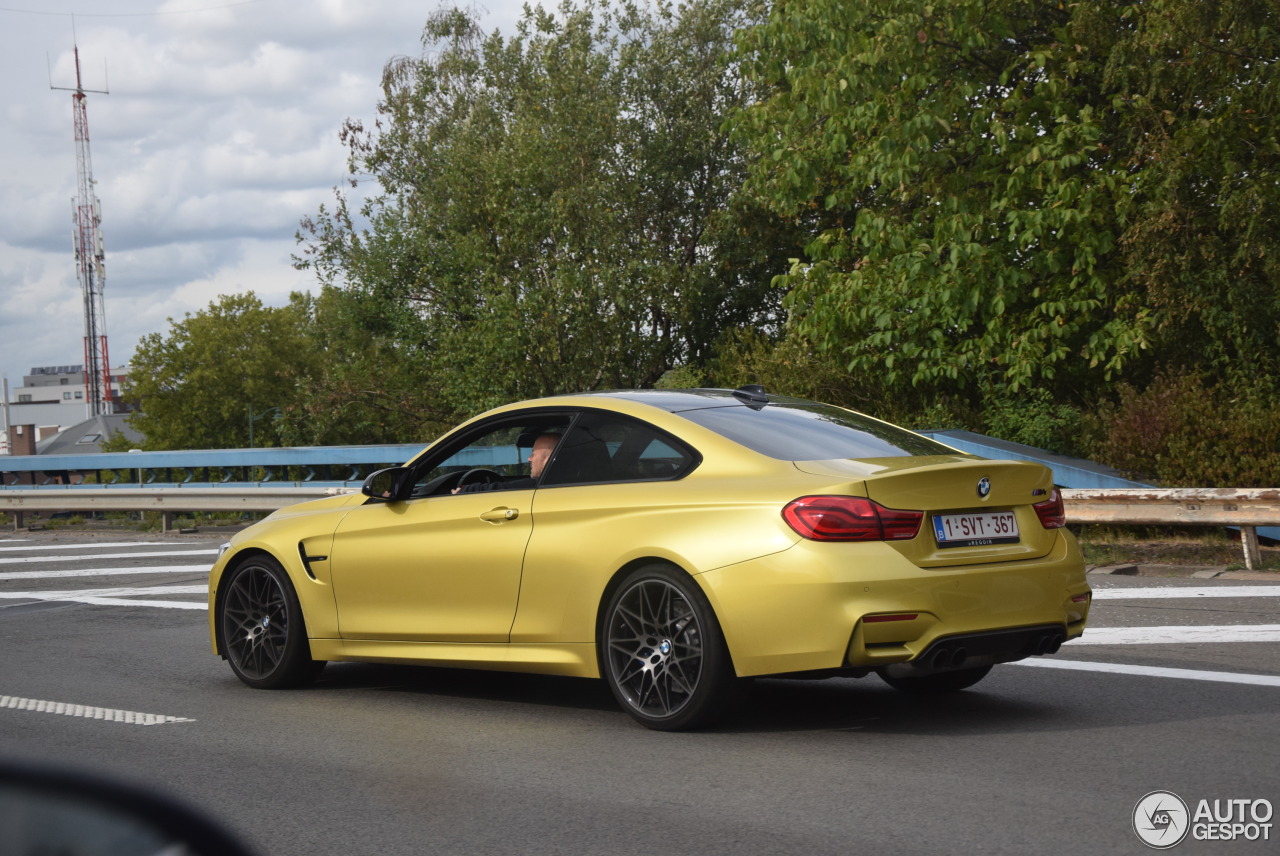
(1175, 506)
(321, 465)
(169, 501)
(1245, 508)
(203, 480)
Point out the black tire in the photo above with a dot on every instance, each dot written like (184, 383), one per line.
(662, 652)
(264, 637)
(935, 682)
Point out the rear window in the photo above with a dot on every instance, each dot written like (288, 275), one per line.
(812, 432)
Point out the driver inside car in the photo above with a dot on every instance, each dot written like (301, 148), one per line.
(543, 446)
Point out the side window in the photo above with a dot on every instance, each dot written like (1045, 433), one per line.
(660, 460)
(502, 448)
(607, 447)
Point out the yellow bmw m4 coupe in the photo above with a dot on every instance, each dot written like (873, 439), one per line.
(670, 542)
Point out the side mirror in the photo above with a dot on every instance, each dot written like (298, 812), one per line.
(385, 484)
(45, 810)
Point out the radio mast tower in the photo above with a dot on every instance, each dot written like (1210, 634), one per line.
(90, 259)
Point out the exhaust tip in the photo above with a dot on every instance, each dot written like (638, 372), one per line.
(1049, 643)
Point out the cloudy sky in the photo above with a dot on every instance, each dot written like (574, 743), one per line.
(219, 134)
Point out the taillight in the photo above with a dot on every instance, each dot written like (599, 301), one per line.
(850, 518)
(1051, 512)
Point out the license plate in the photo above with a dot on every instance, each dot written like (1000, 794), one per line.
(976, 529)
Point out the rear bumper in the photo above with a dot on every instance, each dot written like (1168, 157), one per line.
(989, 647)
(806, 608)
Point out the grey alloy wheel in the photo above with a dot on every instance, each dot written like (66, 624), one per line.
(662, 651)
(263, 634)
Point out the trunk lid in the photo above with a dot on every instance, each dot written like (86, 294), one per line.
(947, 489)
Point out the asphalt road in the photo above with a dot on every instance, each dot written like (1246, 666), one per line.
(1043, 758)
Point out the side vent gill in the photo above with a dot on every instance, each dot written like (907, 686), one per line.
(307, 560)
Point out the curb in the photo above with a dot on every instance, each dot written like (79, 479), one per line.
(1199, 572)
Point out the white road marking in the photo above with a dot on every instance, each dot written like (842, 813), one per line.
(1167, 592)
(121, 601)
(104, 572)
(31, 559)
(1182, 634)
(130, 717)
(1155, 672)
(115, 596)
(88, 545)
(121, 591)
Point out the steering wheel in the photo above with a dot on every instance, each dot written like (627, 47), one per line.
(479, 474)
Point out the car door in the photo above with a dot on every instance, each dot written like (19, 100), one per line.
(608, 483)
(437, 566)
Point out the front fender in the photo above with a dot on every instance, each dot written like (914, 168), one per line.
(299, 538)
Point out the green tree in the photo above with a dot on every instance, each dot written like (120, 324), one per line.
(1183, 432)
(365, 388)
(556, 208)
(198, 382)
(952, 157)
(1199, 87)
(1006, 194)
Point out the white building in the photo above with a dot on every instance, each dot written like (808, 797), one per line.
(53, 398)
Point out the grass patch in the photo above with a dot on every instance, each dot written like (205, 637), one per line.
(64, 521)
(1163, 545)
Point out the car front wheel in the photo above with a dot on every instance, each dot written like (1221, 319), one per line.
(662, 651)
(264, 637)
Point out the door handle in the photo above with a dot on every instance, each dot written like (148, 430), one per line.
(497, 515)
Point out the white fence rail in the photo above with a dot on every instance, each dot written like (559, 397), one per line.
(1245, 508)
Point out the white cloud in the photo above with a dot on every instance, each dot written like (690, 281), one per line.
(219, 134)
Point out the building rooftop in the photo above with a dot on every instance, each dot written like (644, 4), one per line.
(87, 436)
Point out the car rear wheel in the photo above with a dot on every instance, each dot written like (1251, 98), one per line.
(662, 651)
(264, 637)
(936, 682)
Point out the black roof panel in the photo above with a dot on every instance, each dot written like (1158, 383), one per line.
(676, 400)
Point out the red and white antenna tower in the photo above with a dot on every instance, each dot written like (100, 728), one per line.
(90, 258)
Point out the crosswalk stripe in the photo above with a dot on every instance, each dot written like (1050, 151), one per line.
(124, 601)
(1173, 592)
(1153, 671)
(104, 572)
(122, 591)
(122, 596)
(1178, 634)
(27, 560)
(107, 714)
(89, 545)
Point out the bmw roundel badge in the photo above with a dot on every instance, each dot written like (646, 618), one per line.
(984, 487)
